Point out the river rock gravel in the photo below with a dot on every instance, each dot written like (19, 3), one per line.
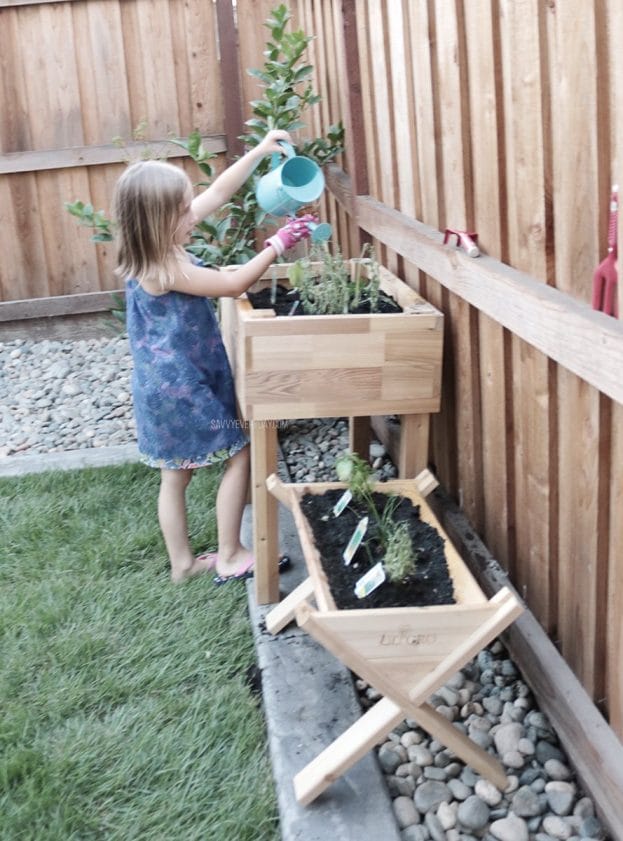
(71, 395)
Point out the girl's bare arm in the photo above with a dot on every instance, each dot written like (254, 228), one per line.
(224, 187)
(210, 283)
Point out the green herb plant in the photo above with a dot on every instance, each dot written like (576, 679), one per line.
(328, 285)
(399, 558)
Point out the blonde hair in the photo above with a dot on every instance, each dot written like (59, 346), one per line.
(147, 206)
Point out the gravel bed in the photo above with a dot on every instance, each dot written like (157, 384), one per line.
(64, 395)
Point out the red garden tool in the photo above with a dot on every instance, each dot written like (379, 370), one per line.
(605, 276)
(464, 239)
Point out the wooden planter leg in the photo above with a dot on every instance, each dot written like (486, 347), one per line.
(400, 698)
(284, 613)
(347, 749)
(359, 436)
(413, 452)
(265, 512)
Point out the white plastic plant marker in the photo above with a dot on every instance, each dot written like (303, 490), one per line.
(354, 542)
(370, 581)
(342, 502)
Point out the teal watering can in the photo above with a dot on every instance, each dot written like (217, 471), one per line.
(291, 185)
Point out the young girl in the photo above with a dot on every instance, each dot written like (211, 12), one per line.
(182, 386)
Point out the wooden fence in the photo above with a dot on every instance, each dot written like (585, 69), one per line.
(87, 85)
(503, 117)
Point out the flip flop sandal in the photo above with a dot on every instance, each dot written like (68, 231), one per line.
(210, 557)
(247, 572)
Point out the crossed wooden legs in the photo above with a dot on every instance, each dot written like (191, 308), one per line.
(402, 697)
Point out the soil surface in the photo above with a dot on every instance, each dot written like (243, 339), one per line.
(431, 584)
(286, 298)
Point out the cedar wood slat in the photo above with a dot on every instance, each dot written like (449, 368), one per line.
(484, 73)
(533, 403)
(462, 396)
(573, 78)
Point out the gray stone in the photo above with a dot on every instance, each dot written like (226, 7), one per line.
(415, 833)
(561, 797)
(401, 786)
(557, 770)
(526, 803)
(506, 737)
(473, 813)
(492, 705)
(405, 812)
(514, 759)
(459, 790)
(510, 828)
(488, 793)
(421, 755)
(434, 827)
(469, 777)
(584, 808)
(557, 827)
(592, 828)
(433, 773)
(431, 794)
(389, 758)
(446, 813)
(546, 750)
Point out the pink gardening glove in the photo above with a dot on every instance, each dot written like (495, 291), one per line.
(292, 232)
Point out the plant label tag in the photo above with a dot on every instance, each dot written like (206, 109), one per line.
(353, 543)
(370, 581)
(342, 502)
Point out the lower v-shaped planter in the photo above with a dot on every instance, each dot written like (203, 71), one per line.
(405, 653)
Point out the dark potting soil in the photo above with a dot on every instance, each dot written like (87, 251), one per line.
(286, 298)
(431, 584)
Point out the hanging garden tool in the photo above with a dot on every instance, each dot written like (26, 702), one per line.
(464, 239)
(605, 276)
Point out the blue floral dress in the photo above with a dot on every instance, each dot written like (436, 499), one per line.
(182, 385)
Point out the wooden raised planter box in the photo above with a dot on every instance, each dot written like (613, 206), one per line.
(314, 366)
(405, 653)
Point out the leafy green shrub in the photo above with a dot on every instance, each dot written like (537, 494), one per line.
(90, 218)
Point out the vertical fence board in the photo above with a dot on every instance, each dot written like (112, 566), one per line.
(25, 275)
(576, 185)
(533, 428)
(372, 159)
(481, 26)
(100, 63)
(462, 386)
(14, 126)
(251, 16)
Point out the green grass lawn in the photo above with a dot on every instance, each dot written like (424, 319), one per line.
(125, 707)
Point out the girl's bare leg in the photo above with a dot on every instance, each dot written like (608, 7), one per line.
(230, 502)
(174, 524)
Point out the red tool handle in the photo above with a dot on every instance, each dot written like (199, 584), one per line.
(614, 220)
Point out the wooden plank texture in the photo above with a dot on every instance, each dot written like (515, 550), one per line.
(573, 79)
(461, 399)
(484, 73)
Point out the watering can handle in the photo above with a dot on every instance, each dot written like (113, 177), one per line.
(276, 157)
